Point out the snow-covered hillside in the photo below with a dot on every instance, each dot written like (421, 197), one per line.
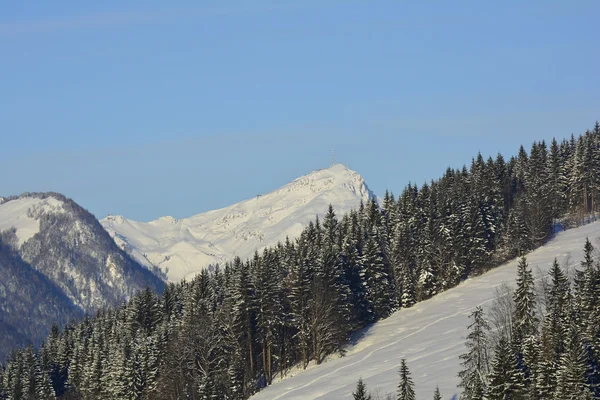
(24, 213)
(57, 264)
(429, 335)
(183, 247)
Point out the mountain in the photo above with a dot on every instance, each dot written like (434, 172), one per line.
(57, 262)
(29, 303)
(430, 335)
(183, 247)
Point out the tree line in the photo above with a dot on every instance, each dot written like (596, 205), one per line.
(226, 333)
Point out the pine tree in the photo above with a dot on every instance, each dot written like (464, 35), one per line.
(437, 395)
(361, 391)
(406, 389)
(475, 362)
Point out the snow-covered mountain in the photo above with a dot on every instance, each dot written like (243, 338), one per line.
(430, 335)
(183, 247)
(57, 262)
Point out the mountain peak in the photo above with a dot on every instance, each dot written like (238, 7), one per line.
(183, 247)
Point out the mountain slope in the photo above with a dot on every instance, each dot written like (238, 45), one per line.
(429, 335)
(57, 262)
(182, 248)
(29, 303)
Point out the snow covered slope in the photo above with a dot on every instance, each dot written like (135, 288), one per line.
(182, 248)
(430, 336)
(23, 214)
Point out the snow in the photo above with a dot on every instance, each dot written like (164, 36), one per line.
(23, 214)
(183, 247)
(429, 335)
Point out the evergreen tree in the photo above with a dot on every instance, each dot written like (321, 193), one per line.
(475, 362)
(505, 379)
(243, 320)
(554, 331)
(2, 389)
(300, 295)
(406, 389)
(361, 391)
(437, 395)
(375, 276)
(268, 307)
(525, 321)
(571, 377)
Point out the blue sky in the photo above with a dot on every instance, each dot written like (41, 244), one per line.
(173, 108)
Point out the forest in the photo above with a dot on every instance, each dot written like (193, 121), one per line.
(227, 333)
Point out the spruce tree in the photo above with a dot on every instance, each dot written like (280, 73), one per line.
(300, 296)
(572, 383)
(406, 390)
(437, 395)
(376, 278)
(2, 389)
(268, 307)
(243, 317)
(505, 378)
(29, 375)
(361, 392)
(475, 362)
(525, 323)
(554, 331)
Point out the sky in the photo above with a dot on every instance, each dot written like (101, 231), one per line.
(155, 108)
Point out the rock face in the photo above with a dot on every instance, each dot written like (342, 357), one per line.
(56, 263)
(182, 248)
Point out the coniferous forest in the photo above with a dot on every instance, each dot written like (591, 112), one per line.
(227, 333)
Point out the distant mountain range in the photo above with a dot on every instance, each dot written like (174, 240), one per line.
(183, 247)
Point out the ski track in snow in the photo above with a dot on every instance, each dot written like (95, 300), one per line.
(430, 335)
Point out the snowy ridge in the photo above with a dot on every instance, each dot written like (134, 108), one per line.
(24, 214)
(429, 335)
(184, 247)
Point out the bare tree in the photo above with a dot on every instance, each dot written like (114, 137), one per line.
(324, 322)
(542, 287)
(501, 314)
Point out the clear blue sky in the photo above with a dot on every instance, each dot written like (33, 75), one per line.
(173, 108)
